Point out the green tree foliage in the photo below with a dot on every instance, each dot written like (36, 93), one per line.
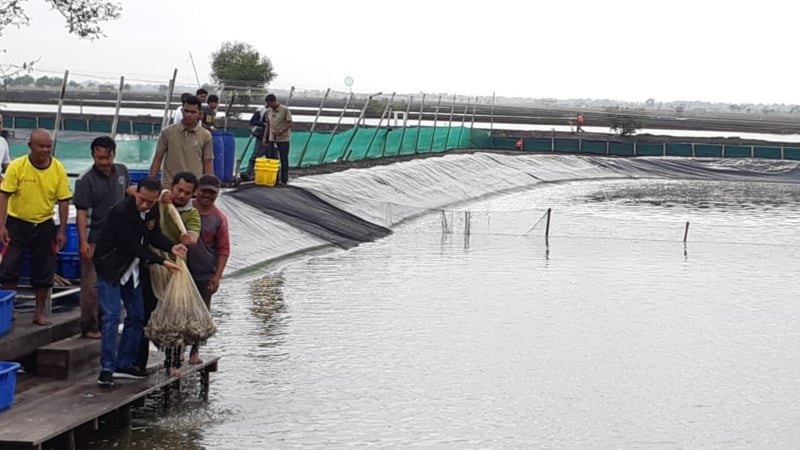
(625, 121)
(83, 17)
(24, 80)
(240, 65)
(48, 82)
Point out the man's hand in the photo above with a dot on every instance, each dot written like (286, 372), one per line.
(213, 284)
(189, 238)
(61, 239)
(166, 197)
(131, 190)
(87, 251)
(4, 235)
(171, 266)
(179, 250)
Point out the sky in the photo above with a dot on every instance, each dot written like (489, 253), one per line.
(699, 50)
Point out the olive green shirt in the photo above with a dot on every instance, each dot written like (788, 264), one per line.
(185, 149)
(279, 118)
(191, 220)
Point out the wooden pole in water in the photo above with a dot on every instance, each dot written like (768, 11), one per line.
(167, 106)
(57, 125)
(419, 126)
(686, 232)
(547, 229)
(335, 128)
(115, 122)
(313, 126)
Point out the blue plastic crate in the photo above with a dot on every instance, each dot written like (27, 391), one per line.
(6, 310)
(8, 383)
(69, 265)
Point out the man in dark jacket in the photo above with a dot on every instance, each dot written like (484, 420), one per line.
(121, 253)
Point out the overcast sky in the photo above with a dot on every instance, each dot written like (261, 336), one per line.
(674, 50)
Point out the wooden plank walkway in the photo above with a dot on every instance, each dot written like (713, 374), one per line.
(44, 409)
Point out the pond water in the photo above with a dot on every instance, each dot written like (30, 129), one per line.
(615, 335)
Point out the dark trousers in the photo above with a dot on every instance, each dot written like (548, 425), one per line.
(283, 155)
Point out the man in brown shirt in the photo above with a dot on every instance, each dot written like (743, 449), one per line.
(279, 133)
(184, 147)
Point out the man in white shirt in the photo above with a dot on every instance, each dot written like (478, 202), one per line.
(5, 156)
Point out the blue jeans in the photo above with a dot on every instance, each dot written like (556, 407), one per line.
(120, 353)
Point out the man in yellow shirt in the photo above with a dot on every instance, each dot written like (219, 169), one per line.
(33, 184)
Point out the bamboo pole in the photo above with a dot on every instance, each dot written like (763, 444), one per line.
(313, 126)
(450, 122)
(380, 122)
(115, 122)
(57, 125)
(167, 106)
(335, 128)
(405, 123)
(435, 121)
(419, 126)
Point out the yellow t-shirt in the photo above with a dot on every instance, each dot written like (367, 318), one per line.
(34, 192)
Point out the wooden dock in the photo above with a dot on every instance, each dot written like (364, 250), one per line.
(46, 412)
(57, 392)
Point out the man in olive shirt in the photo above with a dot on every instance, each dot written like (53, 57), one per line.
(33, 184)
(184, 146)
(280, 130)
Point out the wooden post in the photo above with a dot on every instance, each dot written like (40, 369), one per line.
(378, 128)
(474, 107)
(115, 122)
(450, 123)
(463, 123)
(547, 229)
(335, 128)
(419, 123)
(686, 232)
(435, 121)
(491, 120)
(167, 103)
(124, 413)
(405, 123)
(57, 125)
(204, 384)
(313, 126)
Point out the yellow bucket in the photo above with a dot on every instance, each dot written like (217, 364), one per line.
(267, 171)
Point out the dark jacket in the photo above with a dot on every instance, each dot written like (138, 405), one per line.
(126, 237)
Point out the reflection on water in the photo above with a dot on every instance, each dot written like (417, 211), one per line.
(616, 335)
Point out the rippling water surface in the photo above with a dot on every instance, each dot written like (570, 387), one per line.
(617, 335)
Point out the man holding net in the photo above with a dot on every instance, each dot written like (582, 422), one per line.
(133, 225)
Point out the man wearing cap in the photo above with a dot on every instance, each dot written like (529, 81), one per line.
(207, 258)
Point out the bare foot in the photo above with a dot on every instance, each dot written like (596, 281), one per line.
(41, 321)
(92, 335)
(174, 372)
(194, 359)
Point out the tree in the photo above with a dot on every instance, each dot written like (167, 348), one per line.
(238, 64)
(83, 17)
(625, 121)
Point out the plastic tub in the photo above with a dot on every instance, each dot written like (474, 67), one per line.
(8, 383)
(6, 310)
(267, 171)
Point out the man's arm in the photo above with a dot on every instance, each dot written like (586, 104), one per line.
(3, 210)
(223, 252)
(63, 216)
(83, 233)
(158, 158)
(208, 156)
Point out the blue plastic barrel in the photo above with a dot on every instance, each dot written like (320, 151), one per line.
(219, 153)
(229, 158)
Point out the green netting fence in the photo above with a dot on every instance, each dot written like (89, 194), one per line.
(307, 149)
(310, 149)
